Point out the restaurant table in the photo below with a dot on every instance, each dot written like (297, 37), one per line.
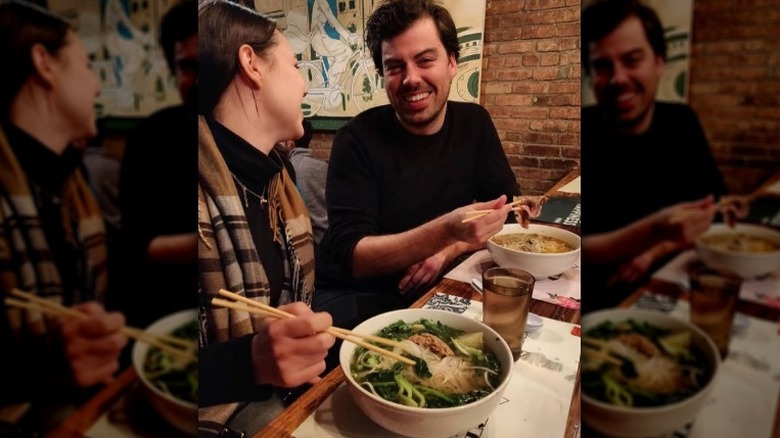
(119, 409)
(293, 416)
(95, 409)
(285, 424)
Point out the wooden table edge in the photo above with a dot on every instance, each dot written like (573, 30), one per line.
(80, 422)
(569, 177)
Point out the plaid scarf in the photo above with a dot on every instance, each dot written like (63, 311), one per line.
(228, 259)
(25, 259)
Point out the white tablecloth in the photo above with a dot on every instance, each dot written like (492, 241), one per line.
(563, 289)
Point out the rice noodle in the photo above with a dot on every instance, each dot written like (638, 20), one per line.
(450, 374)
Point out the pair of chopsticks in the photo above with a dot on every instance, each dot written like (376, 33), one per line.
(476, 214)
(245, 304)
(180, 348)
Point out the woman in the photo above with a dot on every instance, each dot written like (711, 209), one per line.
(52, 240)
(254, 231)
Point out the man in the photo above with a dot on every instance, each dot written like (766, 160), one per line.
(400, 175)
(638, 155)
(159, 217)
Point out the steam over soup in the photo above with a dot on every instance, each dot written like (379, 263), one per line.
(740, 242)
(453, 367)
(532, 242)
(636, 364)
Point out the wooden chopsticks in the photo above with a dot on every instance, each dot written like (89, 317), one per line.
(476, 214)
(265, 310)
(181, 348)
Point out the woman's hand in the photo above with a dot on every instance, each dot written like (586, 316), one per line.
(291, 352)
(93, 344)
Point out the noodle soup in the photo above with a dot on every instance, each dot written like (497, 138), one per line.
(170, 386)
(637, 364)
(644, 373)
(740, 242)
(453, 367)
(532, 242)
(424, 422)
(167, 372)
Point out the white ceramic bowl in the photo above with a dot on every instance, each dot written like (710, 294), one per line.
(538, 265)
(181, 414)
(637, 422)
(744, 264)
(422, 422)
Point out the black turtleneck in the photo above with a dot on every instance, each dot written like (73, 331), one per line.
(254, 169)
(46, 173)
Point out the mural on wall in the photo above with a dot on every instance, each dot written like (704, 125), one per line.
(327, 36)
(121, 38)
(676, 17)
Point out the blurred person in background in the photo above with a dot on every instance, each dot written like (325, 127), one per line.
(310, 175)
(52, 234)
(157, 255)
(254, 232)
(638, 155)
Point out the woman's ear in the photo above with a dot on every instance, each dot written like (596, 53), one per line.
(250, 65)
(43, 62)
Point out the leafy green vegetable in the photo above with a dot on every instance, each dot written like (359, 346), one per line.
(421, 368)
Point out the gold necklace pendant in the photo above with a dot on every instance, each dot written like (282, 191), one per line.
(245, 189)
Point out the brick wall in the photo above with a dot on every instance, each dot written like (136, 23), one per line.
(530, 86)
(735, 86)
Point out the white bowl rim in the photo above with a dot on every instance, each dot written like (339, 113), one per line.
(139, 366)
(539, 229)
(747, 228)
(648, 410)
(411, 409)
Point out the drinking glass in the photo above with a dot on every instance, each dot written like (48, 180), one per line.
(506, 301)
(713, 298)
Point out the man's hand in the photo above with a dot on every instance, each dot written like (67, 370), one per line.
(291, 352)
(423, 275)
(640, 265)
(684, 222)
(93, 344)
(528, 208)
(483, 228)
(734, 207)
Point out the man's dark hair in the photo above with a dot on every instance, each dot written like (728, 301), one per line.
(304, 141)
(178, 24)
(393, 17)
(603, 16)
